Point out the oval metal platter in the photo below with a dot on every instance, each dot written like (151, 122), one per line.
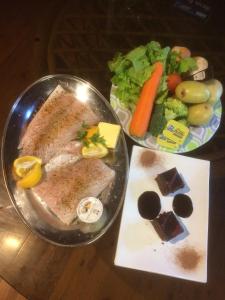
(32, 210)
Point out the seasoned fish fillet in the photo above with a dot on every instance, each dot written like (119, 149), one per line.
(55, 124)
(65, 186)
(68, 154)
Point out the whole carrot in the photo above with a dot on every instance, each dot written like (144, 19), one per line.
(142, 114)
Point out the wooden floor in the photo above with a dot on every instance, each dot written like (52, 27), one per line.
(9, 293)
(6, 291)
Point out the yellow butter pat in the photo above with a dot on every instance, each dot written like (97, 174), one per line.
(166, 142)
(176, 131)
(110, 132)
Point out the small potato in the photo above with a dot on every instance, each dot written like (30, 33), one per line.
(215, 88)
(192, 92)
(200, 114)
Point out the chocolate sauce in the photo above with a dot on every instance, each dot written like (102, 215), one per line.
(149, 205)
(182, 205)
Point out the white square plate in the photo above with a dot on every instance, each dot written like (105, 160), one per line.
(139, 246)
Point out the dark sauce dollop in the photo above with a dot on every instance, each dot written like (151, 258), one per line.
(182, 205)
(149, 205)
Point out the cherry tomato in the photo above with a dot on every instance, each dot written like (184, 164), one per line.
(172, 81)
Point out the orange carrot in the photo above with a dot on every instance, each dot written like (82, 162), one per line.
(142, 114)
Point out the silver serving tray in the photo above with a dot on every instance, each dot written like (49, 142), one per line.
(32, 210)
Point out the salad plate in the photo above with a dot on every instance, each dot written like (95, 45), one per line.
(198, 136)
(184, 92)
(139, 245)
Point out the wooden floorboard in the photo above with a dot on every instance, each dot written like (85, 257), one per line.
(8, 293)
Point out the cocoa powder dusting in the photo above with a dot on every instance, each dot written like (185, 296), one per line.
(188, 258)
(147, 158)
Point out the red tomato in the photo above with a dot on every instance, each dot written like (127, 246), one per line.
(172, 81)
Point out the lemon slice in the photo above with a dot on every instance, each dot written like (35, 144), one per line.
(24, 164)
(32, 177)
(94, 151)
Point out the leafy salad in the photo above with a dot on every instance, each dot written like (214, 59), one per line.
(130, 72)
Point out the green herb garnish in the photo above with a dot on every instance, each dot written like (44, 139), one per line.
(82, 133)
(96, 138)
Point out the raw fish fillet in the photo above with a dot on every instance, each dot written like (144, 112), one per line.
(68, 154)
(55, 124)
(64, 187)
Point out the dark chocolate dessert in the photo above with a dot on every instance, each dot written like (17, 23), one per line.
(169, 181)
(167, 226)
(149, 205)
(182, 205)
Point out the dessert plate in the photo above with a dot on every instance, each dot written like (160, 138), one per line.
(139, 245)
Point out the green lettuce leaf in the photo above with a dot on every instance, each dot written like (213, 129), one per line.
(118, 64)
(156, 53)
(187, 64)
(139, 77)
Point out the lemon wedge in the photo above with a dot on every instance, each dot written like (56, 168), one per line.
(94, 151)
(32, 177)
(24, 164)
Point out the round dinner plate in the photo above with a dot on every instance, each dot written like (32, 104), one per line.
(34, 211)
(197, 137)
